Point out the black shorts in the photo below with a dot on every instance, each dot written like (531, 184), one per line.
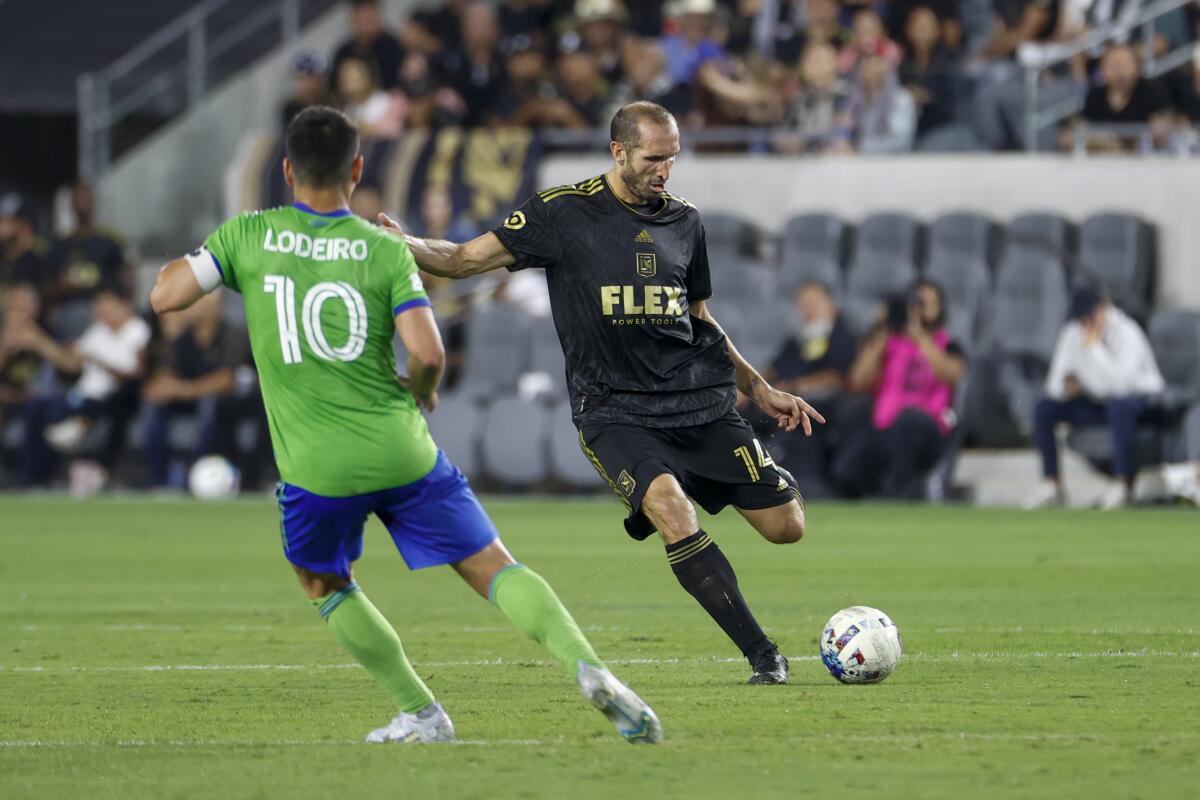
(718, 464)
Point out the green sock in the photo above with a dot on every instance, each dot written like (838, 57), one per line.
(368, 636)
(533, 607)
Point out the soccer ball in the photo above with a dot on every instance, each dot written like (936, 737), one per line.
(860, 644)
(213, 478)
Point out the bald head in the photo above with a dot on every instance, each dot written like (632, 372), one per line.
(627, 124)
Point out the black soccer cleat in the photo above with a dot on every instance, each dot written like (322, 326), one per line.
(770, 668)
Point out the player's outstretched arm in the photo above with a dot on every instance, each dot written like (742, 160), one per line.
(426, 355)
(449, 260)
(788, 410)
(176, 287)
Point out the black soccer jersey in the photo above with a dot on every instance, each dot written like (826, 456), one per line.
(621, 280)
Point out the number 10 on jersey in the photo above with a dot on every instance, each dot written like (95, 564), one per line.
(284, 289)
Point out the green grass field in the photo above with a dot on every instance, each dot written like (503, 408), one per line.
(162, 649)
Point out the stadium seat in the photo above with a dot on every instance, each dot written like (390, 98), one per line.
(567, 461)
(884, 263)
(763, 331)
(959, 254)
(739, 280)
(496, 352)
(726, 233)
(454, 426)
(512, 445)
(545, 352)
(1115, 251)
(813, 248)
(1051, 234)
(1030, 308)
(1191, 433)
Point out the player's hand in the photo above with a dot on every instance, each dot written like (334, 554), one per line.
(788, 410)
(387, 223)
(428, 402)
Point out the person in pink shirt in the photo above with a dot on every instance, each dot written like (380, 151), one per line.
(909, 366)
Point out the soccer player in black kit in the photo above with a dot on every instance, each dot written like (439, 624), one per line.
(652, 377)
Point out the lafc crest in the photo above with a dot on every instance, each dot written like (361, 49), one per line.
(646, 266)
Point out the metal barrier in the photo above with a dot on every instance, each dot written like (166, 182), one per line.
(175, 67)
(1057, 55)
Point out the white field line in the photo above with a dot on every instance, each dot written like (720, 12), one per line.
(501, 662)
(905, 738)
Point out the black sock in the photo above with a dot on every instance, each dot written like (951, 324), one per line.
(705, 573)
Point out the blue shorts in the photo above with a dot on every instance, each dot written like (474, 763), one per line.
(436, 520)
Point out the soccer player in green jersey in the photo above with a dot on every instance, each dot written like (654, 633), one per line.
(324, 293)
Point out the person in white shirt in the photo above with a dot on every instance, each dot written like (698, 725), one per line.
(1103, 373)
(108, 358)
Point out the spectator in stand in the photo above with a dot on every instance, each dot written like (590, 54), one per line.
(378, 114)
(529, 18)
(24, 256)
(813, 112)
(109, 359)
(476, 69)
(910, 366)
(1103, 373)
(814, 362)
(870, 40)
(880, 115)
(927, 71)
(946, 14)
(734, 94)
(695, 42)
(584, 92)
(600, 26)
(371, 42)
(198, 357)
(527, 89)
(19, 362)
(424, 101)
(445, 23)
(1125, 98)
(87, 258)
(823, 25)
(367, 202)
(645, 77)
(309, 83)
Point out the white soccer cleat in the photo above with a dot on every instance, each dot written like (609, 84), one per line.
(1116, 496)
(1182, 480)
(634, 720)
(1048, 495)
(430, 724)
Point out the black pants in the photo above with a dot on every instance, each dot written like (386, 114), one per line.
(893, 461)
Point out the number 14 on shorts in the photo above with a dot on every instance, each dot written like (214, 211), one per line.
(763, 459)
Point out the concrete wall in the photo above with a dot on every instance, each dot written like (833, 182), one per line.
(770, 190)
(168, 192)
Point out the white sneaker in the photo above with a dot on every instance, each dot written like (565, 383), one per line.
(1048, 495)
(430, 724)
(66, 436)
(1115, 496)
(634, 720)
(1182, 480)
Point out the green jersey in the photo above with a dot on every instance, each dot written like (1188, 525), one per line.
(321, 292)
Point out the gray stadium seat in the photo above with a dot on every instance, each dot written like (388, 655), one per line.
(545, 352)
(813, 248)
(513, 442)
(883, 264)
(739, 280)
(726, 233)
(764, 330)
(1030, 308)
(454, 426)
(959, 249)
(966, 234)
(1115, 251)
(1047, 232)
(496, 352)
(1191, 432)
(567, 461)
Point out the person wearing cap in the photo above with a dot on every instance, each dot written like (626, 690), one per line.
(24, 256)
(601, 27)
(1103, 373)
(694, 44)
(309, 83)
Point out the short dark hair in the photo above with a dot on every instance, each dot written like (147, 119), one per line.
(321, 143)
(626, 123)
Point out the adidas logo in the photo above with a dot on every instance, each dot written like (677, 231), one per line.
(643, 237)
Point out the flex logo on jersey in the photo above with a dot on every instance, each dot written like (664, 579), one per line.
(636, 301)
(646, 266)
(299, 244)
